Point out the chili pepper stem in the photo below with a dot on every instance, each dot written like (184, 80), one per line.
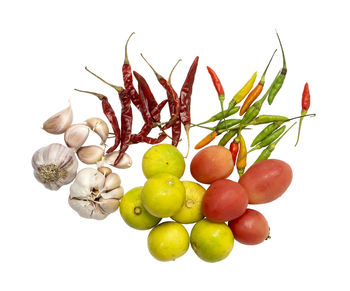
(118, 88)
(262, 80)
(154, 71)
(126, 59)
(284, 69)
(99, 96)
(300, 122)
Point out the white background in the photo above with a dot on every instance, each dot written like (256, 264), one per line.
(45, 245)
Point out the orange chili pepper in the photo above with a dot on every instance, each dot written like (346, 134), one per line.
(256, 91)
(206, 140)
(242, 155)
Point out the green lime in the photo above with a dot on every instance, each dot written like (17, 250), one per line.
(133, 212)
(163, 158)
(211, 241)
(163, 195)
(191, 210)
(168, 241)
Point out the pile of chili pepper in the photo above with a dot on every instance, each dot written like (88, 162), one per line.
(268, 137)
(143, 99)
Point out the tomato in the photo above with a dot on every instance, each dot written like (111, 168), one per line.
(251, 228)
(266, 181)
(224, 200)
(212, 163)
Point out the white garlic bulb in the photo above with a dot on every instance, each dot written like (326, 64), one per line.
(59, 122)
(92, 196)
(98, 126)
(54, 165)
(76, 135)
(124, 163)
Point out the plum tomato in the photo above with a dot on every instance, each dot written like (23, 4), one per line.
(251, 228)
(224, 200)
(266, 181)
(212, 163)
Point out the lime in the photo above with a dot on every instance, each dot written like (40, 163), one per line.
(168, 241)
(211, 241)
(163, 158)
(133, 212)
(191, 210)
(163, 195)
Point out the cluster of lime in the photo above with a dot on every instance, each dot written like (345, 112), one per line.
(163, 196)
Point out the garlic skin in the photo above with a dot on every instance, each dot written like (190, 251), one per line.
(89, 195)
(100, 127)
(76, 135)
(90, 154)
(59, 122)
(124, 163)
(54, 166)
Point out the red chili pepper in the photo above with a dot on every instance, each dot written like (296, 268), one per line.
(216, 82)
(305, 105)
(110, 114)
(185, 100)
(234, 148)
(173, 99)
(127, 78)
(305, 102)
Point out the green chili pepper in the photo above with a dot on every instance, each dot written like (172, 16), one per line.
(228, 123)
(266, 153)
(269, 139)
(261, 119)
(220, 116)
(266, 132)
(227, 137)
(277, 84)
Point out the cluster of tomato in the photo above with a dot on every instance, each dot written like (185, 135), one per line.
(227, 201)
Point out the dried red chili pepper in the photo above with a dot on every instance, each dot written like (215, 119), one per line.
(176, 127)
(305, 105)
(135, 138)
(234, 148)
(126, 117)
(185, 100)
(151, 101)
(173, 99)
(110, 114)
(127, 78)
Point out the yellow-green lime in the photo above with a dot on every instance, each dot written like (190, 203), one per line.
(134, 213)
(211, 241)
(163, 195)
(191, 210)
(163, 158)
(168, 241)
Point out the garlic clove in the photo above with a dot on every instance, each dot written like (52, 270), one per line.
(108, 205)
(87, 209)
(105, 171)
(124, 163)
(98, 126)
(59, 122)
(112, 181)
(116, 193)
(90, 154)
(54, 166)
(76, 135)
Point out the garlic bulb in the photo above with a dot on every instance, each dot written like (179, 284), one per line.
(76, 135)
(54, 166)
(59, 122)
(90, 154)
(98, 126)
(124, 163)
(91, 197)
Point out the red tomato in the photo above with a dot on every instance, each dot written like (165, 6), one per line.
(266, 181)
(224, 200)
(251, 228)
